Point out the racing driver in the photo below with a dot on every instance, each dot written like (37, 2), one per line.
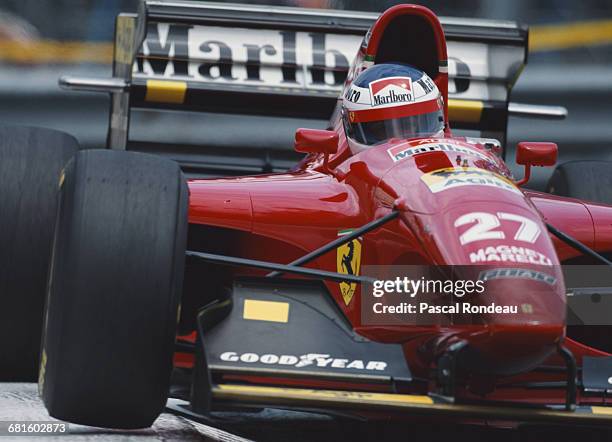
(391, 101)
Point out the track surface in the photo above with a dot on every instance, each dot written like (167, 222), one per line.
(21, 402)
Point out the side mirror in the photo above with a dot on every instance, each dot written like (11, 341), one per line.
(316, 141)
(535, 154)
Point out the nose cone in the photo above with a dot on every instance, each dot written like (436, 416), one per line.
(520, 341)
(467, 214)
(505, 350)
(519, 318)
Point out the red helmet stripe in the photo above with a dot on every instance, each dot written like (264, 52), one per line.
(388, 113)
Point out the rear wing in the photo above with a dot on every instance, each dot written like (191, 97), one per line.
(289, 62)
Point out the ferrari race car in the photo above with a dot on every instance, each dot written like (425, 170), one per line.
(258, 288)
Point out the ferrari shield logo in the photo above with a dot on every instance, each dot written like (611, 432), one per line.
(348, 259)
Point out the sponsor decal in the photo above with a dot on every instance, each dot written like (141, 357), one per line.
(506, 253)
(282, 59)
(318, 360)
(444, 179)
(391, 90)
(484, 226)
(427, 84)
(352, 95)
(403, 151)
(272, 311)
(348, 262)
(457, 68)
(279, 58)
(513, 273)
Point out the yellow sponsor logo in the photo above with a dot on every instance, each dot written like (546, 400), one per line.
(348, 262)
(602, 410)
(444, 179)
(465, 111)
(166, 91)
(271, 311)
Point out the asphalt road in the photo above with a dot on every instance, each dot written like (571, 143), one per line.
(21, 402)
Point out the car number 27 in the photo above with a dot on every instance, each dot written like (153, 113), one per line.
(486, 224)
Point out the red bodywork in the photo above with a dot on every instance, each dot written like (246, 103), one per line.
(280, 217)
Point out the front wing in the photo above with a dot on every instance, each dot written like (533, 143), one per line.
(284, 344)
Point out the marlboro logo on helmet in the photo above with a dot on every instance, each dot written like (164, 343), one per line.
(391, 90)
(391, 100)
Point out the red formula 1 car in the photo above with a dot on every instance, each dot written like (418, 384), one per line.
(265, 274)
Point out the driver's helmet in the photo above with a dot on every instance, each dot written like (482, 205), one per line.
(391, 100)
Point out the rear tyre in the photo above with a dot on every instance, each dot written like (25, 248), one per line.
(585, 180)
(31, 160)
(590, 181)
(114, 289)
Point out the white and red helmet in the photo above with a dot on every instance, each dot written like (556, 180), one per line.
(391, 100)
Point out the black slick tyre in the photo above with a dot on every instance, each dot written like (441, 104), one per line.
(585, 180)
(31, 160)
(114, 289)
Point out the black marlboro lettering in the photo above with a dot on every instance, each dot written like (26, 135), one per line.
(319, 64)
(254, 59)
(224, 63)
(178, 36)
(289, 64)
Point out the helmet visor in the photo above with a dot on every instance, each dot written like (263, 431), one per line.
(376, 132)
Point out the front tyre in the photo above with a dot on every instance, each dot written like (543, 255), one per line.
(114, 289)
